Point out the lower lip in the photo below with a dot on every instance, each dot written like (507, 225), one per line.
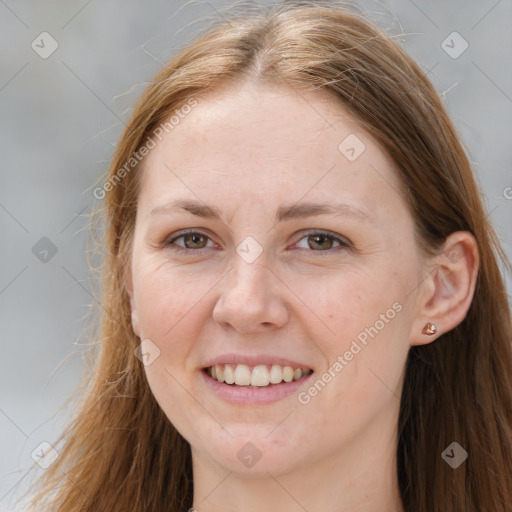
(241, 395)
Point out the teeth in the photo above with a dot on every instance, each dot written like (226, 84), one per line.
(260, 376)
(242, 375)
(256, 376)
(287, 373)
(229, 374)
(219, 371)
(276, 374)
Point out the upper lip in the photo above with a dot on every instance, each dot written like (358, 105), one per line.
(254, 360)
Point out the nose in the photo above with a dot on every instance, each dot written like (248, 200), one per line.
(251, 299)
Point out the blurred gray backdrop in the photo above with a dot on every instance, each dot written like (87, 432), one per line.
(70, 74)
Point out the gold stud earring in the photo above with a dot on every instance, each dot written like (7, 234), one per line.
(429, 329)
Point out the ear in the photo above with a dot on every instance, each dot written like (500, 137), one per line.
(133, 306)
(448, 290)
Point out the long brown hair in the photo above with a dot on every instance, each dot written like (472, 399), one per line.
(121, 453)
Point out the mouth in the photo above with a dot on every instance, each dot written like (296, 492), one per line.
(256, 376)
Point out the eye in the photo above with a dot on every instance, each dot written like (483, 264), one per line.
(318, 241)
(322, 241)
(192, 240)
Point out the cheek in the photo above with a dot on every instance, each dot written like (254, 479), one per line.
(345, 307)
(164, 297)
(365, 345)
(170, 304)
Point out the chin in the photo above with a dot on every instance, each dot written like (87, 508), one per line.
(255, 457)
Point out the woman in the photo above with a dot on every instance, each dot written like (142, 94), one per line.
(302, 306)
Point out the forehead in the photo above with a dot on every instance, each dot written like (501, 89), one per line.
(261, 145)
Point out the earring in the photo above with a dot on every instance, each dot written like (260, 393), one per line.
(429, 329)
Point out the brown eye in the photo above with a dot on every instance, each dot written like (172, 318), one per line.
(195, 240)
(191, 241)
(320, 242)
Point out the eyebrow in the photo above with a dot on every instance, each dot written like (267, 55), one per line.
(295, 211)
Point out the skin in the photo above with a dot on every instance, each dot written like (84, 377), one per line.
(248, 150)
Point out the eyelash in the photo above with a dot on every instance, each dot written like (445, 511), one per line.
(344, 243)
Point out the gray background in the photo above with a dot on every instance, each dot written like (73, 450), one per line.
(61, 117)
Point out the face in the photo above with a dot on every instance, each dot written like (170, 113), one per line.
(234, 263)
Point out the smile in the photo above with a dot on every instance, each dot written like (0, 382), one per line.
(261, 375)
